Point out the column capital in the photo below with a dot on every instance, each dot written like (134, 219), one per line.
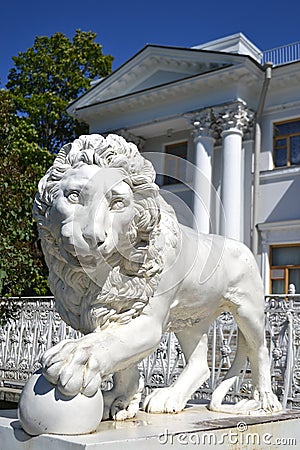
(213, 121)
(235, 116)
(203, 122)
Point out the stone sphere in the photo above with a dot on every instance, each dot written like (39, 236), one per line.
(44, 409)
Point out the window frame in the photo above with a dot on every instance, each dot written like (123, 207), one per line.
(288, 142)
(166, 178)
(286, 268)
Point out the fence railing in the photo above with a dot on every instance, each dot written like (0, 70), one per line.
(36, 326)
(282, 55)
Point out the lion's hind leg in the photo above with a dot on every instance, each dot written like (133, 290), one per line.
(252, 325)
(251, 343)
(193, 342)
(123, 400)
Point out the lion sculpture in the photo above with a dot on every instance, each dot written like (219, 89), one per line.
(124, 271)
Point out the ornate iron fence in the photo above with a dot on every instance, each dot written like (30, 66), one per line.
(36, 326)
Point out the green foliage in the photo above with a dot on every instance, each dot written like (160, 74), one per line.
(22, 164)
(48, 76)
(34, 124)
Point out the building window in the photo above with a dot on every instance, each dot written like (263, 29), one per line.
(174, 166)
(285, 268)
(287, 143)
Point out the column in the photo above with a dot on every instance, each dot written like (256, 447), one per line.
(234, 121)
(204, 147)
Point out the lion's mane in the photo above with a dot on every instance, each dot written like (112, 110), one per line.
(132, 280)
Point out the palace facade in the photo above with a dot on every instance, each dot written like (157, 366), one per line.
(221, 124)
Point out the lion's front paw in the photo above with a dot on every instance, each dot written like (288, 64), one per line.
(72, 365)
(164, 401)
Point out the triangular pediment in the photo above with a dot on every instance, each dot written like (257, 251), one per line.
(164, 72)
(157, 78)
(152, 67)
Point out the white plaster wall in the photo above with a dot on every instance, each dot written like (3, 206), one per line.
(279, 197)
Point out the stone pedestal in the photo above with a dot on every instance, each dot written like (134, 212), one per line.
(195, 427)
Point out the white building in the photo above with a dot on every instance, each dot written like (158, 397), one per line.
(218, 107)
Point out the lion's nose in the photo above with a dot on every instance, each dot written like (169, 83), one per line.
(92, 238)
(93, 242)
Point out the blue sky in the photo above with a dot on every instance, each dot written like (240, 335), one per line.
(124, 27)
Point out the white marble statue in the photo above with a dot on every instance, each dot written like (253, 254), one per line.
(123, 271)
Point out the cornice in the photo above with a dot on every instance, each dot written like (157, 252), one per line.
(160, 93)
(286, 225)
(279, 173)
(139, 67)
(287, 75)
(91, 101)
(288, 106)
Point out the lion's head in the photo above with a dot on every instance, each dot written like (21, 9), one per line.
(98, 211)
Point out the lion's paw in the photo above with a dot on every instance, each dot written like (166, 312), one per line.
(164, 401)
(268, 401)
(261, 404)
(73, 367)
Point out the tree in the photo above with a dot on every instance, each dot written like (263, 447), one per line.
(22, 163)
(34, 124)
(46, 77)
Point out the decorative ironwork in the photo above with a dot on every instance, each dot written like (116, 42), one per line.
(36, 326)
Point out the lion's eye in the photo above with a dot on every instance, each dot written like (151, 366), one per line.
(73, 197)
(117, 205)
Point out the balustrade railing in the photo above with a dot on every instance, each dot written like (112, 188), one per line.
(282, 55)
(36, 326)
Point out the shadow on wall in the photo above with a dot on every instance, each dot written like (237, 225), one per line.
(285, 206)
